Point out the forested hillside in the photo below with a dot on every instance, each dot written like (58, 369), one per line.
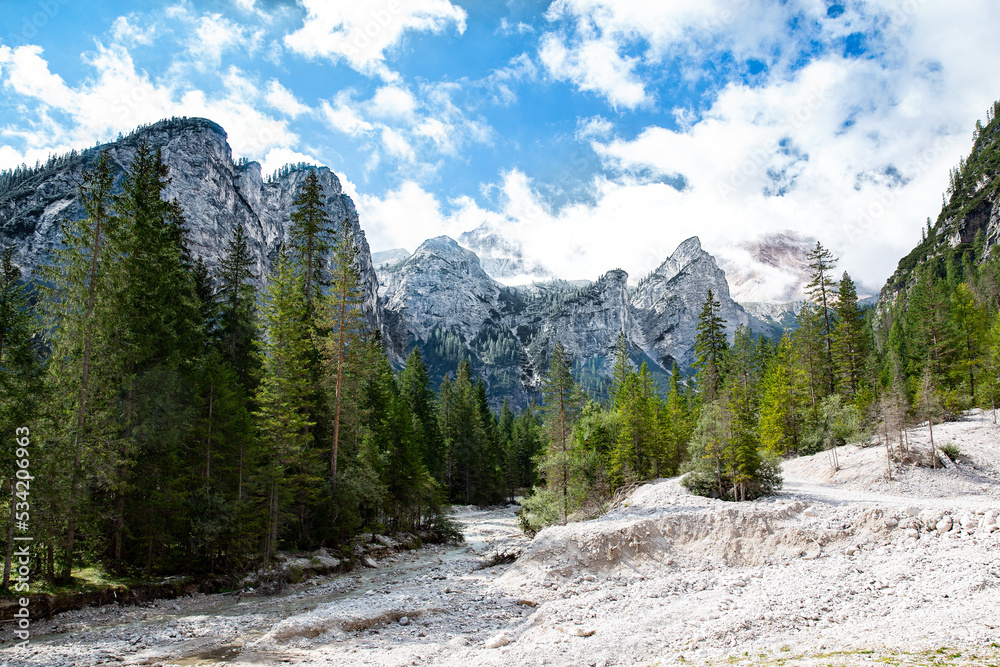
(930, 350)
(183, 421)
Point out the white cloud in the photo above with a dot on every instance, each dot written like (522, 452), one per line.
(117, 98)
(393, 102)
(595, 65)
(403, 218)
(127, 31)
(214, 35)
(344, 117)
(284, 100)
(361, 33)
(397, 145)
(279, 157)
(27, 73)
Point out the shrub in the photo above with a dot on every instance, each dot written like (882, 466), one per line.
(951, 450)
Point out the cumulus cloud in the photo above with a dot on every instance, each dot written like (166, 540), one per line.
(127, 30)
(414, 127)
(852, 151)
(116, 98)
(595, 65)
(214, 35)
(283, 100)
(360, 33)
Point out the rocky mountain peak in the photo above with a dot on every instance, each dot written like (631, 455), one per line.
(214, 193)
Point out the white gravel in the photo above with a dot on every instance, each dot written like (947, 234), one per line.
(841, 568)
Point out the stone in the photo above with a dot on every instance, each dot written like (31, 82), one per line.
(912, 511)
(891, 522)
(809, 511)
(496, 642)
(944, 525)
(405, 620)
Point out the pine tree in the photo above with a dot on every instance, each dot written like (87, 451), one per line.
(20, 379)
(971, 325)
(561, 408)
(414, 386)
(309, 235)
(781, 402)
(78, 310)
(237, 299)
(709, 348)
(282, 397)
(850, 339)
(822, 291)
(344, 318)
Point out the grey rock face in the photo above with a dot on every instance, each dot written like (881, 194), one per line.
(442, 293)
(214, 193)
(666, 304)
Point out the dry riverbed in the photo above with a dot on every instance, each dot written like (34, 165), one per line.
(842, 568)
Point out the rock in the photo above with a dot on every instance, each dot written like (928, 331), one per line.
(809, 511)
(215, 194)
(912, 511)
(496, 642)
(443, 287)
(527, 603)
(944, 525)
(851, 550)
(405, 620)
(458, 641)
(912, 533)
(368, 561)
(891, 523)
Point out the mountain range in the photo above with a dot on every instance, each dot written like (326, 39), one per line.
(443, 298)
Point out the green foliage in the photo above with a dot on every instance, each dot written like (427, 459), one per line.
(710, 348)
(951, 450)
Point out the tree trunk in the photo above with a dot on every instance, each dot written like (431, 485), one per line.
(10, 537)
(208, 446)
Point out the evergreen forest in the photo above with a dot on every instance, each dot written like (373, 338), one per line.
(182, 421)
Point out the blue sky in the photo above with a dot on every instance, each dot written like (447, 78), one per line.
(598, 133)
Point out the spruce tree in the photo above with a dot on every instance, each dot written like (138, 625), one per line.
(781, 402)
(309, 236)
(414, 381)
(675, 424)
(850, 339)
(971, 325)
(710, 347)
(822, 291)
(20, 380)
(561, 407)
(346, 324)
(79, 313)
(237, 303)
(282, 396)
